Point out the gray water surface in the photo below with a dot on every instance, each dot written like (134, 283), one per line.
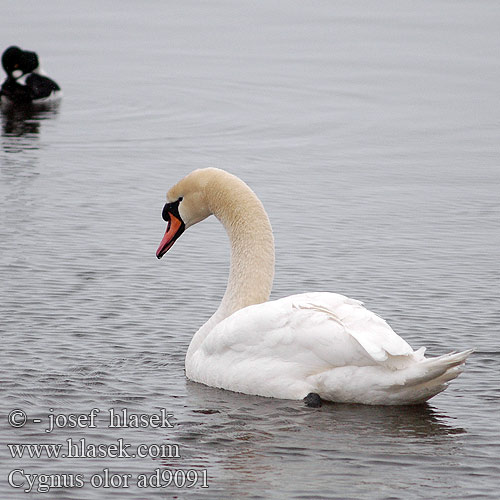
(371, 133)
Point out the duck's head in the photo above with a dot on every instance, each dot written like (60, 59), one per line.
(17, 62)
(186, 205)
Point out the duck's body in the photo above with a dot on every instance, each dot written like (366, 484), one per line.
(320, 343)
(26, 83)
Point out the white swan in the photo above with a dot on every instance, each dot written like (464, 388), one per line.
(313, 345)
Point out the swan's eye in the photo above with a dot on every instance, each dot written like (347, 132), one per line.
(165, 215)
(171, 208)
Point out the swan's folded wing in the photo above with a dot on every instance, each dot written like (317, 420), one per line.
(376, 337)
(318, 330)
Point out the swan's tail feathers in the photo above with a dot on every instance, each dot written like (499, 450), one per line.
(431, 376)
(433, 368)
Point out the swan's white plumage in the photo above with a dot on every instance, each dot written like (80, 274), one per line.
(317, 342)
(312, 342)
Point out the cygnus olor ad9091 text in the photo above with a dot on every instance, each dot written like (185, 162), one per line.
(317, 346)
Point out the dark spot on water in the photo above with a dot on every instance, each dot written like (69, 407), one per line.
(206, 411)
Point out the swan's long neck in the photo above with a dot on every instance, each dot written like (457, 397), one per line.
(252, 248)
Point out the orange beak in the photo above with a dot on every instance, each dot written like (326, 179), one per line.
(175, 227)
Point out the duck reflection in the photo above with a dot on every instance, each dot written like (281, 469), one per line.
(21, 124)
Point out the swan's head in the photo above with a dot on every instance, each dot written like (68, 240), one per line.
(186, 205)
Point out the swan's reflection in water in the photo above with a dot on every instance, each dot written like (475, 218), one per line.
(267, 440)
(413, 421)
(418, 421)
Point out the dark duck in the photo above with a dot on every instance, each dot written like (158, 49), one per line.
(26, 83)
